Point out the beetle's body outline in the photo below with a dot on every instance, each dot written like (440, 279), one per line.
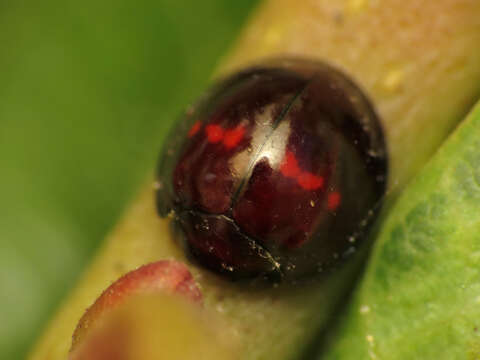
(292, 131)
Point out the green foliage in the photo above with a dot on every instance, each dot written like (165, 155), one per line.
(87, 91)
(420, 297)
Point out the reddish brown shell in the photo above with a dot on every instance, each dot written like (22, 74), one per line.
(277, 171)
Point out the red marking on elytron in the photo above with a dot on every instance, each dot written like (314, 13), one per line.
(233, 137)
(194, 129)
(215, 133)
(289, 167)
(308, 181)
(333, 201)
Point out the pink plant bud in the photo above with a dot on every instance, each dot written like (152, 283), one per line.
(167, 276)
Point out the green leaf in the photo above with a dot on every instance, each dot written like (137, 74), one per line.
(87, 89)
(420, 296)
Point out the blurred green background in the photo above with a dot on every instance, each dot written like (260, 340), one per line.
(87, 91)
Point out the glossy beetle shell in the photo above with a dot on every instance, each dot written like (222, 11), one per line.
(277, 171)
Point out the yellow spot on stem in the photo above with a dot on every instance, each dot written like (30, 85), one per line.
(272, 37)
(393, 80)
(355, 6)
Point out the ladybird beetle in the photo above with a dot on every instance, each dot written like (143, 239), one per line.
(276, 172)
